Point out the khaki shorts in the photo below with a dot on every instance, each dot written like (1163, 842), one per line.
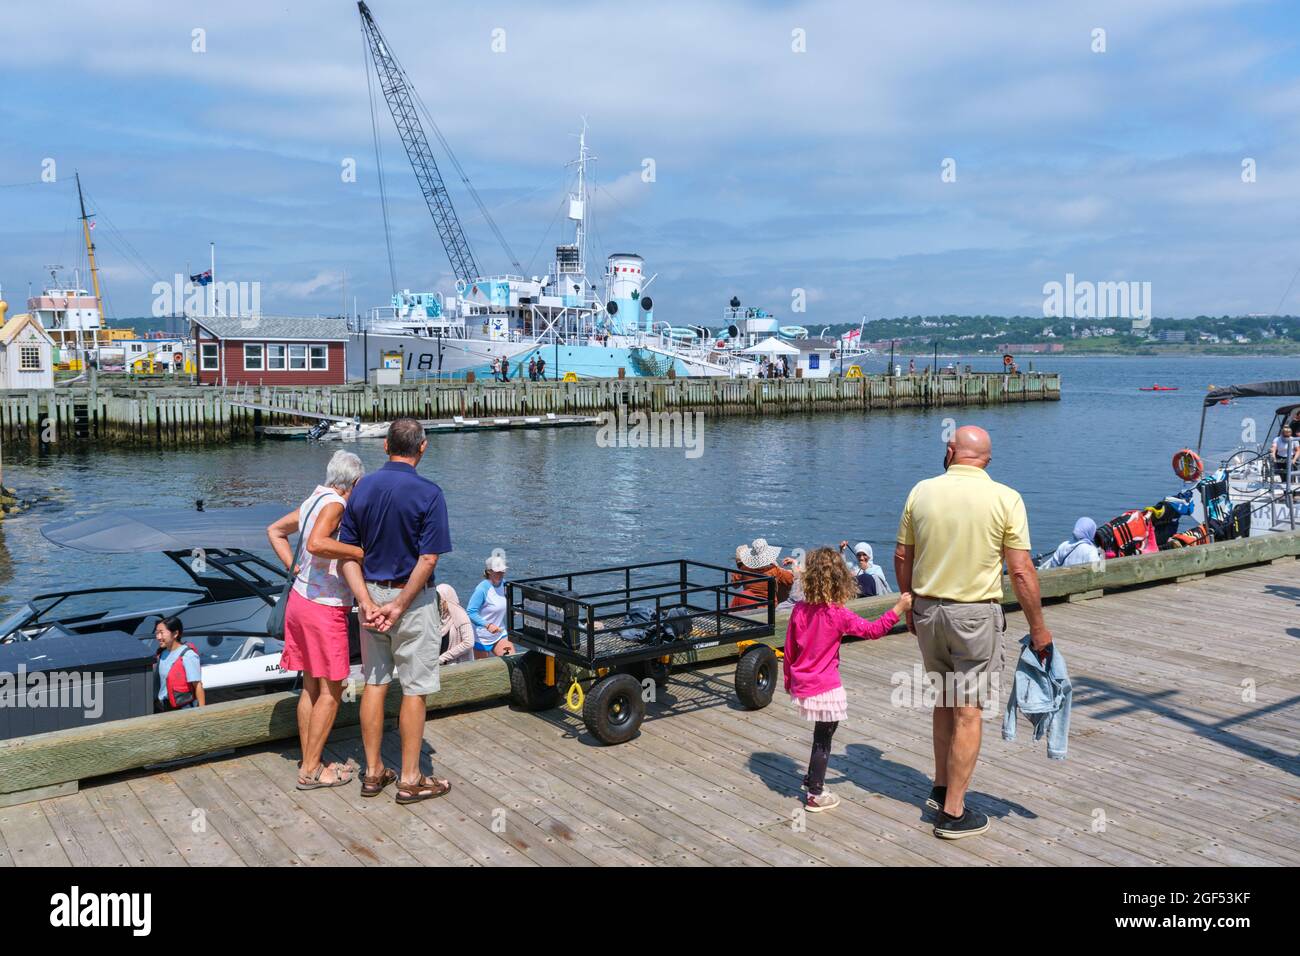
(410, 651)
(961, 647)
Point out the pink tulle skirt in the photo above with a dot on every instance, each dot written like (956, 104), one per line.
(829, 705)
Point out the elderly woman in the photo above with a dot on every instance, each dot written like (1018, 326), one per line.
(316, 617)
(862, 565)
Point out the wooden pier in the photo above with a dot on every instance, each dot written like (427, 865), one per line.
(1183, 750)
(191, 414)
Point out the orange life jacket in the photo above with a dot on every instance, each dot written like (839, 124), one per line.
(179, 690)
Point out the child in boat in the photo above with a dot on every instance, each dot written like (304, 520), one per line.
(812, 657)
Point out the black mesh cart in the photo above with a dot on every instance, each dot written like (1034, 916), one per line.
(614, 629)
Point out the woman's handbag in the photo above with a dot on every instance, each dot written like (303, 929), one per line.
(275, 616)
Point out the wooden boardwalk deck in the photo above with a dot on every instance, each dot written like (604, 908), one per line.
(1183, 751)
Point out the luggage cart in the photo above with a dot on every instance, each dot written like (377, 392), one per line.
(614, 629)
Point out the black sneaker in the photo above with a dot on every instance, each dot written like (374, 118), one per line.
(936, 798)
(970, 823)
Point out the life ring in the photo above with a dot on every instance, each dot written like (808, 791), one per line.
(1188, 465)
(1007, 359)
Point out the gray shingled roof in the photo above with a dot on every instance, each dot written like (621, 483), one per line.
(274, 327)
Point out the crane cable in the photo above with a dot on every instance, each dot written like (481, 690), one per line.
(460, 171)
(366, 62)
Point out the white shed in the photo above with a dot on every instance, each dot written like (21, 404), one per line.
(26, 353)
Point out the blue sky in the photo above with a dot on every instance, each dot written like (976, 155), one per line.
(775, 170)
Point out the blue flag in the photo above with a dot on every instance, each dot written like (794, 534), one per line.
(203, 278)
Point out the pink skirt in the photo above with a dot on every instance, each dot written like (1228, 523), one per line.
(828, 706)
(315, 639)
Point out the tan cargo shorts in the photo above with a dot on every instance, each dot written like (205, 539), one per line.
(410, 651)
(961, 647)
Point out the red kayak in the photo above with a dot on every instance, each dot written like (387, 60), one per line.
(1157, 388)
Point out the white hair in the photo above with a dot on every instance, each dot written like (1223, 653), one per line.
(343, 471)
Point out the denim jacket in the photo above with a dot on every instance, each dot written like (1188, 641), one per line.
(1042, 693)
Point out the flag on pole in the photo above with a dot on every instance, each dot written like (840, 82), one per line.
(91, 224)
(851, 334)
(203, 278)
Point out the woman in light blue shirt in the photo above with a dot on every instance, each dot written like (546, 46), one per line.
(487, 611)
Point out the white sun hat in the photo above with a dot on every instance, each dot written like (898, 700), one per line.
(758, 554)
(495, 563)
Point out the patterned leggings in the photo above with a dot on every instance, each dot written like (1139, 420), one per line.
(823, 731)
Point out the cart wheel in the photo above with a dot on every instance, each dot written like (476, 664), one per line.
(528, 689)
(756, 677)
(613, 710)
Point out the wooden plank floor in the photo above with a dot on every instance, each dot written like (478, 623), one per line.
(1183, 751)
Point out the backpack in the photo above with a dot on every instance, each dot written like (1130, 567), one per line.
(1164, 521)
(1234, 524)
(1214, 492)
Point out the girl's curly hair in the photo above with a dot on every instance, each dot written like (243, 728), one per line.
(826, 579)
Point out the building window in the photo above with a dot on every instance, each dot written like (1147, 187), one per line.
(29, 358)
(208, 357)
(320, 358)
(298, 357)
(253, 357)
(275, 358)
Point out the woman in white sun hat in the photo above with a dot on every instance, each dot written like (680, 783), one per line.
(487, 610)
(759, 556)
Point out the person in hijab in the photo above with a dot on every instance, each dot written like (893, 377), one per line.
(1078, 550)
(458, 644)
(862, 565)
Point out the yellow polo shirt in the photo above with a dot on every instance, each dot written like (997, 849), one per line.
(959, 522)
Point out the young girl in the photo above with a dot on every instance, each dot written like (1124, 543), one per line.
(812, 657)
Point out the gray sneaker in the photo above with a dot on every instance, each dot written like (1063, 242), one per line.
(970, 823)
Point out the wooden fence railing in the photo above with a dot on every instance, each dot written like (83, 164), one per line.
(191, 414)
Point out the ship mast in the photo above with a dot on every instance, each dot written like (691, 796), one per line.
(90, 249)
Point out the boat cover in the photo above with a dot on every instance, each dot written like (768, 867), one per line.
(144, 530)
(1216, 395)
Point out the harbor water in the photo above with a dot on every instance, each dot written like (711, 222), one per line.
(557, 500)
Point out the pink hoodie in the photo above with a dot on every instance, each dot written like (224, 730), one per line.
(812, 644)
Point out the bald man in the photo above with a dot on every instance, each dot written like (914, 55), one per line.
(955, 532)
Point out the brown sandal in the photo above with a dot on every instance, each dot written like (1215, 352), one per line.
(374, 786)
(426, 788)
(313, 781)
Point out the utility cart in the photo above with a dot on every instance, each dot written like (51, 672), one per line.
(613, 629)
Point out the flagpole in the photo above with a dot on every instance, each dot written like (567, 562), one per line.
(212, 279)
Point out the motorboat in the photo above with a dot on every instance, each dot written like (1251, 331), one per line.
(224, 610)
(1271, 488)
(1158, 388)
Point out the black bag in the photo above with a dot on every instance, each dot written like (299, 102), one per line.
(275, 616)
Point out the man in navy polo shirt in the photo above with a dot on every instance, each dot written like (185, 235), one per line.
(399, 519)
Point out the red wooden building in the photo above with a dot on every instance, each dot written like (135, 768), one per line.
(270, 350)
